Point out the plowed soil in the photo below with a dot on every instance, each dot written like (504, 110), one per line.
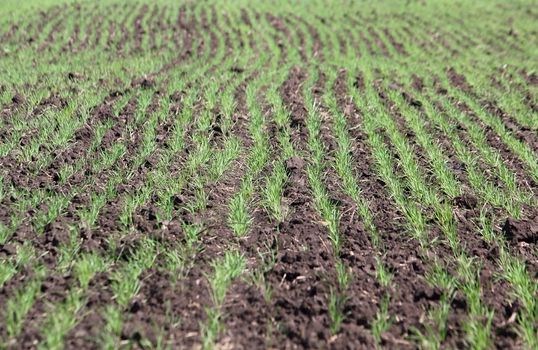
(168, 309)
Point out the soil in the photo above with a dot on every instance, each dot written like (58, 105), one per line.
(521, 230)
(295, 315)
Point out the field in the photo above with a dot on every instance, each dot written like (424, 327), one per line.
(268, 174)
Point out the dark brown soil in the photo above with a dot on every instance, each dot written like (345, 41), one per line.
(172, 307)
(521, 230)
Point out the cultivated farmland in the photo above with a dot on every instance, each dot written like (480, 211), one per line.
(268, 174)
